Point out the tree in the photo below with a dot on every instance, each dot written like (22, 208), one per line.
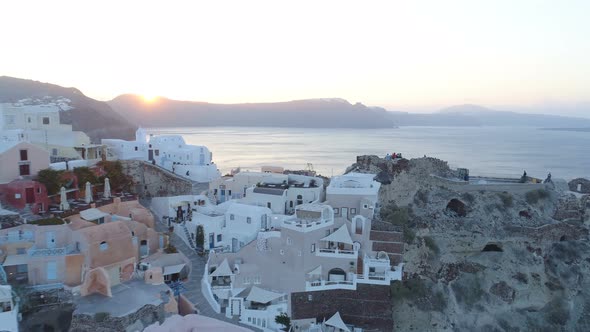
(200, 236)
(51, 179)
(114, 171)
(284, 320)
(85, 174)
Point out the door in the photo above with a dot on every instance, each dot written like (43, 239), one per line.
(150, 154)
(234, 245)
(211, 240)
(344, 213)
(30, 195)
(50, 238)
(236, 307)
(51, 271)
(114, 275)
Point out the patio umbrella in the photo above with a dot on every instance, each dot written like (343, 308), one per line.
(88, 197)
(63, 199)
(107, 188)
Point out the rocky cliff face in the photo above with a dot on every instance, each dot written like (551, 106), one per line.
(485, 257)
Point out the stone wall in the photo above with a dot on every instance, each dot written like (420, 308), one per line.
(137, 321)
(153, 181)
(584, 183)
(9, 220)
(368, 307)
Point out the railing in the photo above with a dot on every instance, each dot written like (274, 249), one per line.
(20, 237)
(34, 252)
(337, 253)
(46, 286)
(325, 284)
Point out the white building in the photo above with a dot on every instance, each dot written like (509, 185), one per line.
(41, 124)
(277, 191)
(167, 151)
(8, 309)
(353, 194)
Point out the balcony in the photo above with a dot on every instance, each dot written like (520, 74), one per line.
(337, 253)
(319, 285)
(46, 252)
(20, 237)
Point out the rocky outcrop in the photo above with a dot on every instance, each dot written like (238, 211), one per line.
(580, 185)
(495, 259)
(103, 322)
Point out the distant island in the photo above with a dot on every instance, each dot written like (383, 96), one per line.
(587, 130)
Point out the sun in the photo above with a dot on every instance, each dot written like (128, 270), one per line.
(148, 98)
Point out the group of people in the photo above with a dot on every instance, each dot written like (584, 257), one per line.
(524, 178)
(392, 156)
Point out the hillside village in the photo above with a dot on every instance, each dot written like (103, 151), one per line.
(127, 235)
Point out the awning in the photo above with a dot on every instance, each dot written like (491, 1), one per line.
(337, 322)
(317, 271)
(173, 269)
(262, 295)
(92, 214)
(340, 235)
(222, 270)
(12, 260)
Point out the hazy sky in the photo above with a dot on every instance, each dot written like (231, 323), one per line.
(408, 55)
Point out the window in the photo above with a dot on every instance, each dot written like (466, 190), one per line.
(218, 237)
(51, 270)
(249, 220)
(231, 217)
(291, 204)
(299, 199)
(313, 247)
(136, 148)
(24, 155)
(327, 232)
(353, 211)
(282, 252)
(268, 205)
(289, 241)
(365, 206)
(157, 152)
(310, 297)
(21, 251)
(29, 119)
(24, 169)
(229, 192)
(54, 152)
(336, 211)
(45, 120)
(104, 246)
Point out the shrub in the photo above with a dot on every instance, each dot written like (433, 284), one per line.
(84, 174)
(533, 196)
(431, 244)
(200, 237)
(114, 171)
(410, 289)
(51, 179)
(47, 221)
(170, 249)
(506, 199)
(284, 320)
(399, 216)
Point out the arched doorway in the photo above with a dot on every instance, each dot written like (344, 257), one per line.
(336, 274)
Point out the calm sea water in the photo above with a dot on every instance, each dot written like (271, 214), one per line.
(484, 150)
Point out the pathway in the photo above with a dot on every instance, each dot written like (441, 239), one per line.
(193, 284)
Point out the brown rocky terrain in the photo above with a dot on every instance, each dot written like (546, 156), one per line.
(485, 257)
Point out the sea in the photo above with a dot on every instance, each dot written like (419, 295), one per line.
(485, 151)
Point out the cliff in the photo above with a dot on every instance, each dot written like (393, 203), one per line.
(96, 118)
(506, 257)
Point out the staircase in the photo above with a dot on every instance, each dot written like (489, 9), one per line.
(188, 237)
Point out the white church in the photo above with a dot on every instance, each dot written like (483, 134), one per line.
(168, 151)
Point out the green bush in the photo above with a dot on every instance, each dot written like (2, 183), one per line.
(47, 222)
(533, 196)
(51, 179)
(431, 244)
(506, 199)
(117, 177)
(410, 289)
(85, 174)
(284, 320)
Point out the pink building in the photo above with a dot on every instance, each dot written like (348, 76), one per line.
(20, 193)
(21, 160)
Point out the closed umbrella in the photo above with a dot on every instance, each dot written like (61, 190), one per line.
(63, 199)
(107, 188)
(88, 197)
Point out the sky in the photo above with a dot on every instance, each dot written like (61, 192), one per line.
(526, 55)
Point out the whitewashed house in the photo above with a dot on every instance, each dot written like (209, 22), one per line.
(8, 309)
(353, 194)
(279, 192)
(167, 151)
(40, 122)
